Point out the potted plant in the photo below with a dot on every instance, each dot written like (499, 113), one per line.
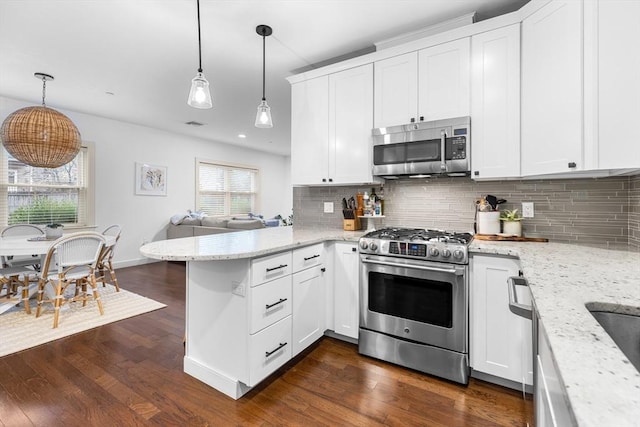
(53, 231)
(511, 222)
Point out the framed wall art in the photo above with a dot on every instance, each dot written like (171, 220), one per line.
(151, 180)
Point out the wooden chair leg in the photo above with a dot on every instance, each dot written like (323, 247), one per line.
(25, 295)
(96, 294)
(41, 284)
(114, 279)
(57, 303)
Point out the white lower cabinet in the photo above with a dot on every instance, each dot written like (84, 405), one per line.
(268, 350)
(500, 341)
(269, 303)
(308, 307)
(345, 287)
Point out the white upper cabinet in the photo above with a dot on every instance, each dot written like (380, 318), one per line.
(552, 84)
(332, 118)
(310, 131)
(350, 124)
(429, 84)
(612, 88)
(443, 82)
(495, 103)
(396, 90)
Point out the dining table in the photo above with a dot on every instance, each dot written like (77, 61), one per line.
(28, 245)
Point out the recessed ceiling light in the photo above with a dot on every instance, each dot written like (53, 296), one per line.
(109, 93)
(192, 123)
(242, 135)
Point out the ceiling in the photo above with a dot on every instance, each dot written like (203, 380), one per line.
(133, 60)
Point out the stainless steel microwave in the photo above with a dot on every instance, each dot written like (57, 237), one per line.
(440, 147)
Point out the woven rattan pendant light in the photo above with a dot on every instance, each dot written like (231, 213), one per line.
(40, 136)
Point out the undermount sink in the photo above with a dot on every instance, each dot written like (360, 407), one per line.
(624, 329)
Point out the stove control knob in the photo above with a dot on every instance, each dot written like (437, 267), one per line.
(446, 253)
(434, 252)
(363, 245)
(373, 246)
(458, 254)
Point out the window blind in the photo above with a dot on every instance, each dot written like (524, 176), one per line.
(225, 189)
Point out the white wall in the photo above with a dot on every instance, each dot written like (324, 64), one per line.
(118, 145)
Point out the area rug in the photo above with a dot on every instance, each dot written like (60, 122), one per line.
(21, 331)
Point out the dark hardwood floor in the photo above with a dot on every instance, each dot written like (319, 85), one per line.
(129, 373)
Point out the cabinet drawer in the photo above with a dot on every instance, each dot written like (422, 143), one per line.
(308, 256)
(270, 267)
(269, 349)
(270, 302)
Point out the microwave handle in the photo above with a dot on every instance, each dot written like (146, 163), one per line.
(443, 141)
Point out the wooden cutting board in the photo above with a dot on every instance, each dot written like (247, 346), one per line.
(495, 237)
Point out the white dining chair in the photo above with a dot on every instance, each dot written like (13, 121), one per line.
(105, 262)
(22, 230)
(76, 258)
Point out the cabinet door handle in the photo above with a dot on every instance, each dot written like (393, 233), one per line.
(515, 307)
(443, 157)
(268, 306)
(324, 179)
(269, 353)
(572, 164)
(276, 268)
(311, 257)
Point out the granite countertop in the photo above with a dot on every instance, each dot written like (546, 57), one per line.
(602, 386)
(241, 244)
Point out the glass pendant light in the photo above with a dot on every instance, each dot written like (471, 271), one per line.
(199, 95)
(263, 117)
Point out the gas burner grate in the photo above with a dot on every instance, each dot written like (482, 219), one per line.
(419, 234)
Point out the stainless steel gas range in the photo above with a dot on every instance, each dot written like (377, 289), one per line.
(414, 299)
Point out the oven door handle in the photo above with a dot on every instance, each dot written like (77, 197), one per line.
(515, 307)
(455, 271)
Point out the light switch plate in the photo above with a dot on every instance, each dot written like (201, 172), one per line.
(527, 209)
(328, 207)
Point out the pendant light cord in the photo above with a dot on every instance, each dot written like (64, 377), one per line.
(199, 42)
(44, 89)
(263, 63)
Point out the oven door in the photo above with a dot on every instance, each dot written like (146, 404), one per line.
(420, 301)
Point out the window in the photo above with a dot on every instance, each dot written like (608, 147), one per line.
(42, 196)
(225, 189)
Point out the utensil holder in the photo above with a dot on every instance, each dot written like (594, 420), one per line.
(351, 224)
(489, 222)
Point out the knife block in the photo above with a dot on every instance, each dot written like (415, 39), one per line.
(351, 224)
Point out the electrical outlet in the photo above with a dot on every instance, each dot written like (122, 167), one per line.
(527, 209)
(237, 288)
(328, 207)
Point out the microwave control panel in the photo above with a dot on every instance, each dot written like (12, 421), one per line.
(458, 148)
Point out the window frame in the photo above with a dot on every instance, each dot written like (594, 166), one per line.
(227, 198)
(88, 196)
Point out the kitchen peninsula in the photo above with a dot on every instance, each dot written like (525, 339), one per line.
(255, 299)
